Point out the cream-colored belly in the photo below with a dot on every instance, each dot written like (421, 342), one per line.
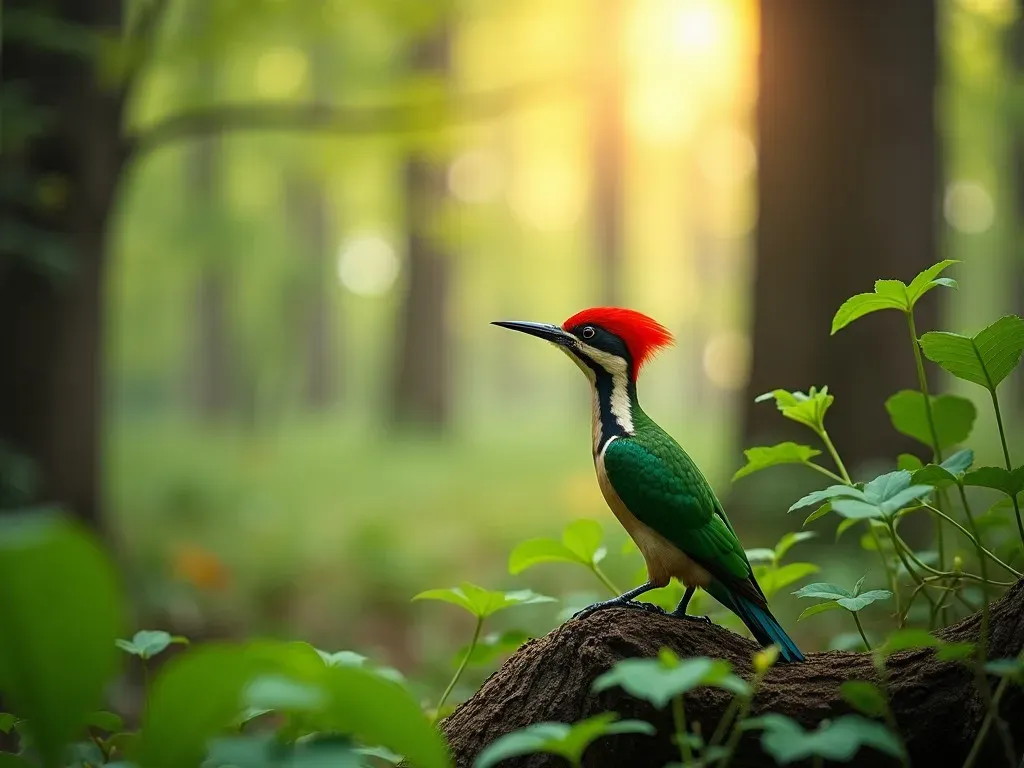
(664, 560)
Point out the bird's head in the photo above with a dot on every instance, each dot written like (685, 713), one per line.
(608, 340)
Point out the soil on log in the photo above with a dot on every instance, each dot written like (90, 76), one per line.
(936, 704)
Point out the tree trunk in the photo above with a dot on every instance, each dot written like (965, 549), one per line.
(420, 389)
(609, 149)
(52, 265)
(847, 194)
(309, 212)
(936, 705)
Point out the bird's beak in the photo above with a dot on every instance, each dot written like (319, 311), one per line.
(551, 333)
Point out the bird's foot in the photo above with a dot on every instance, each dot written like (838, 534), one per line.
(689, 617)
(590, 609)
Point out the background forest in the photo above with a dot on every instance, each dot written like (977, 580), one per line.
(272, 381)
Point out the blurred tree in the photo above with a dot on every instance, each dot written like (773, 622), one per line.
(609, 147)
(213, 391)
(309, 212)
(1015, 110)
(420, 388)
(62, 156)
(847, 194)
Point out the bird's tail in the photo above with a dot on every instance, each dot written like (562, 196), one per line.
(765, 629)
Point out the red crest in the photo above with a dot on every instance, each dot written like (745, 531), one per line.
(643, 335)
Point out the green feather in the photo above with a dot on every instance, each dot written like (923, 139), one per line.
(660, 484)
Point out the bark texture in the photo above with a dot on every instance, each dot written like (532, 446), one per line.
(936, 704)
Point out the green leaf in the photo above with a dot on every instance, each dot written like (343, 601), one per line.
(278, 693)
(1010, 483)
(651, 680)
(147, 643)
(789, 540)
(760, 555)
(483, 602)
(829, 605)
(762, 457)
(104, 721)
(986, 358)
(820, 512)
(378, 711)
(581, 543)
(808, 409)
(905, 639)
(535, 551)
(862, 304)
(823, 590)
(928, 279)
(1010, 668)
(62, 610)
(195, 696)
(947, 473)
(955, 651)
(859, 602)
(954, 417)
(7, 721)
(570, 742)
(846, 525)
(908, 462)
(826, 494)
(838, 739)
(15, 761)
(583, 538)
(778, 578)
(865, 697)
(882, 497)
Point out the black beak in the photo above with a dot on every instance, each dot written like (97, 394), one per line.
(551, 333)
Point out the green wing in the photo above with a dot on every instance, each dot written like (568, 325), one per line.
(663, 488)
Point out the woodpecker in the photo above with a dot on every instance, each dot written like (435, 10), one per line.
(656, 491)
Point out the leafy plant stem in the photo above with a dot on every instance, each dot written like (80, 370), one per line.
(603, 578)
(986, 724)
(835, 456)
(970, 536)
(723, 725)
(826, 472)
(682, 736)
(890, 575)
(461, 669)
(860, 628)
(736, 734)
(1006, 458)
(922, 381)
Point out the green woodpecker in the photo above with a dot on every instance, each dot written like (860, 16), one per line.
(654, 488)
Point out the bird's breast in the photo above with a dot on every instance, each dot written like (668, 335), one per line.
(664, 559)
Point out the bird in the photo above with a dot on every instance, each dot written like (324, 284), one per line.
(653, 487)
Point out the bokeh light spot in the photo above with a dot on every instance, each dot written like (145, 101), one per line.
(727, 359)
(728, 155)
(476, 176)
(968, 207)
(280, 72)
(368, 265)
(548, 195)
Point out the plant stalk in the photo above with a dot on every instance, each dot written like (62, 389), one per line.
(605, 580)
(682, 736)
(1006, 458)
(461, 669)
(856, 620)
(969, 535)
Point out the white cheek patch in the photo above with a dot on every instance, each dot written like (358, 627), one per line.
(618, 369)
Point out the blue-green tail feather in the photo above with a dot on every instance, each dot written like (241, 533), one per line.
(763, 626)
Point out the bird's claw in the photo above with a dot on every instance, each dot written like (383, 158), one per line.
(591, 609)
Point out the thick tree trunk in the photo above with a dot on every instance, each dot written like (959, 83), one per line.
(51, 314)
(420, 388)
(847, 191)
(609, 149)
(936, 704)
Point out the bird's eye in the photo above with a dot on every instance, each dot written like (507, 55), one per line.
(587, 333)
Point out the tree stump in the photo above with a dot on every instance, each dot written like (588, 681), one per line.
(936, 704)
